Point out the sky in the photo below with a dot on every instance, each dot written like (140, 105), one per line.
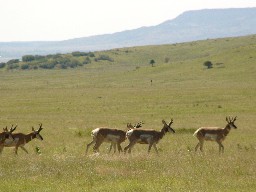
(54, 20)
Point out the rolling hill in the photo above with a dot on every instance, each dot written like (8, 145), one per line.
(71, 103)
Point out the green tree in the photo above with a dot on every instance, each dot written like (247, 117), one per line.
(208, 64)
(152, 62)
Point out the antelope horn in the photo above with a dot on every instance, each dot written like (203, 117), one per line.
(138, 125)
(40, 127)
(13, 128)
(171, 122)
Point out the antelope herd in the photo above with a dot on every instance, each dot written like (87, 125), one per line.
(134, 134)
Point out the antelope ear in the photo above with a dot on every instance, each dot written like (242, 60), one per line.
(234, 119)
(163, 121)
(33, 128)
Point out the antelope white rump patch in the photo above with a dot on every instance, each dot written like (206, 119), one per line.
(95, 131)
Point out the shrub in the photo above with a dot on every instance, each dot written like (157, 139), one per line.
(12, 61)
(12, 66)
(28, 58)
(25, 66)
(104, 57)
(90, 54)
(2, 65)
(87, 60)
(47, 65)
(78, 54)
(166, 59)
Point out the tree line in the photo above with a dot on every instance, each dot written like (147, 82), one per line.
(54, 61)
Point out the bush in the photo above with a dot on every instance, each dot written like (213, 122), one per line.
(12, 66)
(47, 65)
(166, 59)
(90, 54)
(2, 65)
(78, 54)
(74, 63)
(40, 57)
(25, 66)
(28, 58)
(87, 60)
(12, 61)
(104, 57)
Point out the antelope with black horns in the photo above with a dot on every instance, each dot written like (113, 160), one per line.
(214, 134)
(147, 136)
(20, 139)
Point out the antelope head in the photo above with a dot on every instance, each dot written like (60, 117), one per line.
(167, 127)
(129, 126)
(37, 132)
(231, 122)
(8, 133)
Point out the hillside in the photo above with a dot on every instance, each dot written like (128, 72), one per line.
(140, 56)
(70, 103)
(189, 26)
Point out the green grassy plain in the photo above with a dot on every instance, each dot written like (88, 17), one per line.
(70, 103)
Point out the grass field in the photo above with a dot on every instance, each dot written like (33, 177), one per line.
(70, 103)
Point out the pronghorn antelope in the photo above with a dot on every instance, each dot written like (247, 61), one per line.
(214, 134)
(7, 135)
(129, 127)
(113, 136)
(21, 139)
(147, 136)
(102, 134)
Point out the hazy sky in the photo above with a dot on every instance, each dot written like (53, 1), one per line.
(30, 20)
